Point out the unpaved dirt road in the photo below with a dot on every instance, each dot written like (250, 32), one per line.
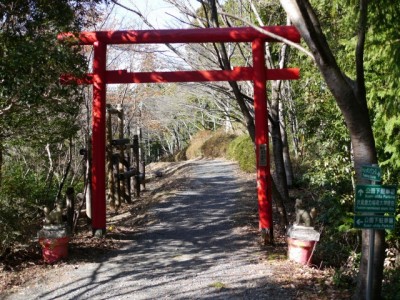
(194, 250)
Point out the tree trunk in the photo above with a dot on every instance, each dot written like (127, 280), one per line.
(226, 65)
(121, 167)
(66, 172)
(285, 145)
(280, 205)
(136, 163)
(70, 205)
(228, 121)
(292, 121)
(110, 166)
(177, 139)
(1, 163)
(277, 144)
(350, 97)
(142, 157)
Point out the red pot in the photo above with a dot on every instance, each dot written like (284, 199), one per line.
(54, 249)
(300, 251)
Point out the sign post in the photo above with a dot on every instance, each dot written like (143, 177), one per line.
(370, 200)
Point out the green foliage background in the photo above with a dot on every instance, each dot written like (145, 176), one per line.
(36, 111)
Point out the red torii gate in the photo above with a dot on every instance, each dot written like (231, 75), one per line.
(258, 74)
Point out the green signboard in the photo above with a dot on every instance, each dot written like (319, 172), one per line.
(374, 222)
(372, 173)
(376, 198)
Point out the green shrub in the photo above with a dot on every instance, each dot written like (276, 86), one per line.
(231, 152)
(241, 149)
(335, 216)
(217, 145)
(391, 285)
(23, 194)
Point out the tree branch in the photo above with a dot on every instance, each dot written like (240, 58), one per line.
(144, 19)
(6, 109)
(270, 34)
(269, 61)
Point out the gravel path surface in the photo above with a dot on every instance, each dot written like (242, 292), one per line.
(193, 251)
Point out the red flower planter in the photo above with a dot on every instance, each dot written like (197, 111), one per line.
(300, 251)
(54, 249)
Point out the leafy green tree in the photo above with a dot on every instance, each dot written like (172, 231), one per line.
(36, 111)
(382, 70)
(33, 103)
(338, 68)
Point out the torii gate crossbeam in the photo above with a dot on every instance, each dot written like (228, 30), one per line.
(258, 74)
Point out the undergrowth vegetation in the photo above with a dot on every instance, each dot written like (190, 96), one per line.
(23, 194)
(241, 150)
(217, 145)
(197, 141)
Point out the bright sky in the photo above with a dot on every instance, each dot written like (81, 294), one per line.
(158, 12)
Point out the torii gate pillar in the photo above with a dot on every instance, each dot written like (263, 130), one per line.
(99, 137)
(261, 137)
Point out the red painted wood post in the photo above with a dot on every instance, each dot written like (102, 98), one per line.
(98, 139)
(261, 136)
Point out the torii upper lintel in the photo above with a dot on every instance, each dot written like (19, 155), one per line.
(184, 36)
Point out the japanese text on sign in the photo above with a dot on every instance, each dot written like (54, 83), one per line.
(263, 155)
(374, 222)
(371, 172)
(375, 198)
